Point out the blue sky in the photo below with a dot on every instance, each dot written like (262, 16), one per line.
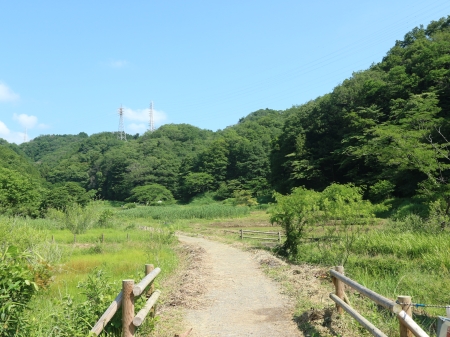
(67, 66)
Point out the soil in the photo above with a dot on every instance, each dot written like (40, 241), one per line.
(226, 293)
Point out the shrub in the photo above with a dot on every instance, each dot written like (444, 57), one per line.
(152, 194)
(341, 204)
(79, 219)
(21, 273)
(129, 205)
(104, 219)
(244, 197)
(381, 190)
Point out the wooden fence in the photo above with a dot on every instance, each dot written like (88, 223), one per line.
(407, 325)
(259, 235)
(125, 299)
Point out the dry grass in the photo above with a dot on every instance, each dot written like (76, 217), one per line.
(184, 289)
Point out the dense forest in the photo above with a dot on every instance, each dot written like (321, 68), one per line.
(384, 130)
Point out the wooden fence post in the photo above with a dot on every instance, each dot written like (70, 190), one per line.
(405, 302)
(148, 269)
(339, 288)
(279, 237)
(242, 235)
(53, 239)
(128, 327)
(103, 237)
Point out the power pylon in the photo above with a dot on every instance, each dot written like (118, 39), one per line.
(121, 133)
(152, 125)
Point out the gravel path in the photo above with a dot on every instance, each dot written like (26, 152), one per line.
(239, 299)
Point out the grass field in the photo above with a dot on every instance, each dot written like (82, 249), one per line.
(386, 257)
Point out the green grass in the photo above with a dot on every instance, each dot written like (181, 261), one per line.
(178, 212)
(125, 250)
(391, 263)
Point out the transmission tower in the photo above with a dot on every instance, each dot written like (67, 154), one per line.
(121, 134)
(152, 125)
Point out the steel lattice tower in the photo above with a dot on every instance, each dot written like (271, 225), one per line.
(152, 125)
(121, 133)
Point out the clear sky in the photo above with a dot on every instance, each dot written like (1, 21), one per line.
(67, 66)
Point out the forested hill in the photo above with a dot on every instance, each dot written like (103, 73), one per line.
(184, 159)
(384, 129)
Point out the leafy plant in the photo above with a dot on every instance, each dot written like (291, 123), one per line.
(79, 219)
(153, 194)
(21, 274)
(381, 190)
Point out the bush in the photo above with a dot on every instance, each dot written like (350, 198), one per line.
(152, 194)
(79, 219)
(244, 198)
(104, 219)
(21, 273)
(341, 204)
(381, 190)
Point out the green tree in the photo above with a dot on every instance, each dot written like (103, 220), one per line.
(197, 182)
(152, 194)
(19, 194)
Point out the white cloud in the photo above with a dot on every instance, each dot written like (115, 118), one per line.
(26, 121)
(11, 136)
(118, 63)
(143, 115)
(4, 131)
(6, 94)
(136, 128)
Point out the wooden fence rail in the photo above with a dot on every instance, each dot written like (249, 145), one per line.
(408, 326)
(125, 299)
(267, 236)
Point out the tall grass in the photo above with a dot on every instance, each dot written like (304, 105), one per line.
(391, 263)
(176, 212)
(121, 255)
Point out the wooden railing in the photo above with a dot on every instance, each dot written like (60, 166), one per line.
(260, 235)
(125, 299)
(408, 326)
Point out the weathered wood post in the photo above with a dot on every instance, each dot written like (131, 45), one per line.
(242, 235)
(279, 237)
(339, 288)
(148, 269)
(405, 302)
(128, 327)
(103, 237)
(53, 239)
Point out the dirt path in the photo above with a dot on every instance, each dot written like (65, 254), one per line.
(239, 300)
